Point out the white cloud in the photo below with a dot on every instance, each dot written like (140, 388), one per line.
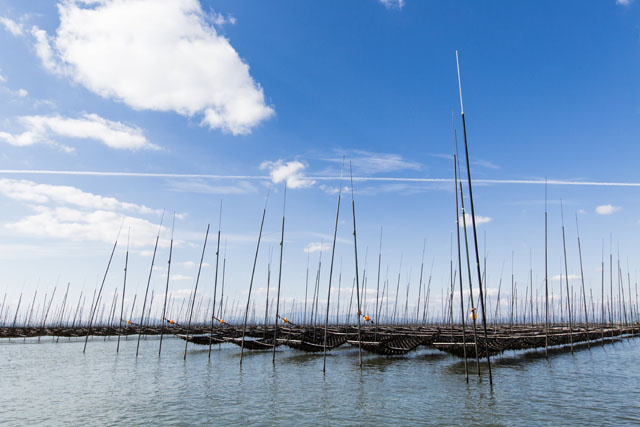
(313, 247)
(45, 51)
(79, 225)
(29, 191)
(607, 209)
(181, 277)
(241, 187)
(582, 212)
(113, 134)
(22, 93)
(392, 4)
(468, 219)
(3, 79)
(186, 264)
(220, 20)
(12, 26)
(367, 162)
(623, 2)
(562, 277)
(485, 164)
(292, 172)
(155, 55)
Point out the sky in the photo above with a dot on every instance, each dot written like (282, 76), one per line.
(125, 109)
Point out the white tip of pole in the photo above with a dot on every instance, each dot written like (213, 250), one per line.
(459, 84)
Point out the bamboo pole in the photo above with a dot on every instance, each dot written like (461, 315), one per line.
(275, 326)
(195, 291)
(253, 271)
(333, 252)
(473, 220)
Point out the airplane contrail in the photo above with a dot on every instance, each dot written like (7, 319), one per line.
(316, 178)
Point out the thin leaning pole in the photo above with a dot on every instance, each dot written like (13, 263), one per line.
(215, 283)
(146, 292)
(195, 290)
(546, 276)
(124, 289)
(104, 278)
(253, 272)
(584, 298)
(333, 251)
(166, 289)
(378, 287)
(455, 191)
(566, 276)
(473, 220)
(355, 248)
(275, 323)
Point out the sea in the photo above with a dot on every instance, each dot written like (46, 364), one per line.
(53, 383)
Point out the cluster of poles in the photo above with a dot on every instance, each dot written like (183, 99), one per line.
(194, 314)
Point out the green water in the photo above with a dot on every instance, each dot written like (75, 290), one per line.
(54, 383)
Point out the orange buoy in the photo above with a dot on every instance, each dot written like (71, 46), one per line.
(366, 318)
(171, 322)
(285, 320)
(221, 321)
(128, 322)
(473, 314)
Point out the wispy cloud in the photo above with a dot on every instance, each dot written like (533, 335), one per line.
(152, 55)
(40, 129)
(178, 277)
(624, 2)
(561, 277)
(607, 209)
(314, 247)
(392, 4)
(12, 26)
(323, 178)
(191, 186)
(291, 172)
(478, 162)
(220, 20)
(370, 163)
(467, 218)
(485, 164)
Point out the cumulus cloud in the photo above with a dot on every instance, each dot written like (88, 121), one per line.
(313, 247)
(40, 129)
(155, 55)
(291, 172)
(79, 225)
(29, 191)
(12, 26)
(396, 4)
(68, 213)
(468, 219)
(607, 209)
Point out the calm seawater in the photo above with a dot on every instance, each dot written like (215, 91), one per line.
(52, 384)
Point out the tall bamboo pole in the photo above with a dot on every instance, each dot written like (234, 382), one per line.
(473, 220)
(333, 252)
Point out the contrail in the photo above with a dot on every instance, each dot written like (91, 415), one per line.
(316, 178)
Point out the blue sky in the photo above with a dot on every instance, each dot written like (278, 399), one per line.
(288, 88)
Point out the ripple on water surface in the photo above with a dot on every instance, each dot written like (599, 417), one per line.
(54, 383)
